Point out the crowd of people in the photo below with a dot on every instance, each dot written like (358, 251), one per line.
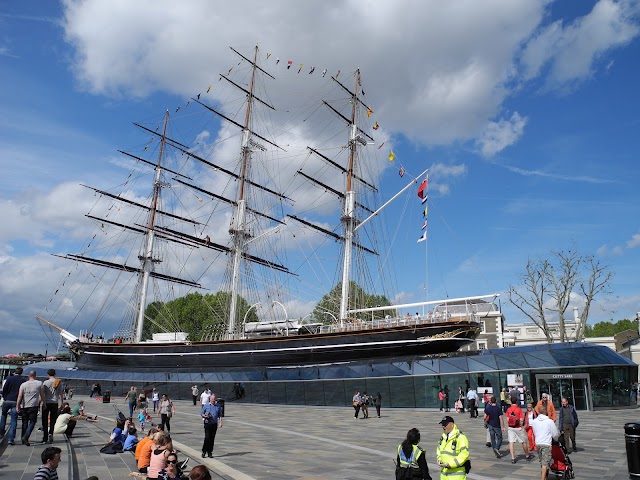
(361, 402)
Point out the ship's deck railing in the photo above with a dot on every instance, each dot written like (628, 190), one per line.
(357, 325)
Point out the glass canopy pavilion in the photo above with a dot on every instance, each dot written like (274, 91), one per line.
(590, 376)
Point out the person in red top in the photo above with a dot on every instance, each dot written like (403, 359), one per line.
(517, 433)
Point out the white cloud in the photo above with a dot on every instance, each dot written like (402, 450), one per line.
(440, 173)
(634, 241)
(499, 135)
(570, 51)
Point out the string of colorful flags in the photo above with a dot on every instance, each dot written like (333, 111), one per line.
(424, 196)
(289, 64)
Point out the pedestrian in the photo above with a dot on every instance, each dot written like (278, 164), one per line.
(529, 416)
(377, 402)
(155, 398)
(194, 394)
(441, 398)
(142, 418)
(199, 472)
(568, 422)
(495, 421)
(28, 403)
(94, 390)
(365, 405)
(99, 389)
(545, 431)
(486, 396)
(10, 391)
(142, 400)
(167, 410)
(503, 399)
(446, 398)
(132, 398)
(472, 400)
(527, 395)
(514, 396)
(212, 419)
(516, 431)
(461, 398)
(51, 457)
(357, 402)
(452, 453)
(551, 410)
(52, 403)
(204, 397)
(411, 462)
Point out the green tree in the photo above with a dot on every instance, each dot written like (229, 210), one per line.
(608, 329)
(328, 308)
(200, 316)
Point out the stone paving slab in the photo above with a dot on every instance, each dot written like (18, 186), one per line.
(266, 442)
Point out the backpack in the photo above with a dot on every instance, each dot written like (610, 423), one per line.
(514, 421)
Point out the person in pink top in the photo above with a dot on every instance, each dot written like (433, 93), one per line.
(159, 453)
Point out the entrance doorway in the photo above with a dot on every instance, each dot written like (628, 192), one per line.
(576, 387)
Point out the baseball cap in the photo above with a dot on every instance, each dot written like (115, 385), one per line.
(447, 419)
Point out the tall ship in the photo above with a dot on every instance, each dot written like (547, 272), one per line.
(204, 268)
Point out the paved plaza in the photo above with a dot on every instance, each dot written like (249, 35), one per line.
(269, 442)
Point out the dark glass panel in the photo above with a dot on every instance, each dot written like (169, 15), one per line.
(539, 360)
(426, 391)
(260, 392)
(296, 394)
(509, 361)
(335, 393)
(375, 385)
(402, 392)
(426, 367)
(601, 386)
(482, 363)
(277, 392)
(621, 386)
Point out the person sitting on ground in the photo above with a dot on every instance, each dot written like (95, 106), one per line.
(159, 453)
(171, 471)
(65, 423)
(199, 472)
(143, 450)
(117, 434)
(131, 440)
(78, 410)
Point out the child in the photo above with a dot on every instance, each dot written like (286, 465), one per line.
(142, 417)
(131, 440)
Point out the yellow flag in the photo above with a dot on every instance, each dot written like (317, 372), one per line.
(391, 156)
(369, 112)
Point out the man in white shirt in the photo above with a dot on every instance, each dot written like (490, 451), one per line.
(472, 403)
(544, 431)
(205, 396)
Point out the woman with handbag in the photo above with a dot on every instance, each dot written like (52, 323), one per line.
(167, 410)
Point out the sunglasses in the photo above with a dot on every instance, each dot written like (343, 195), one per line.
(172, 461)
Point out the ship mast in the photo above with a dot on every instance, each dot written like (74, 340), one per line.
(348, 218)
(146, 260)
(238, 226)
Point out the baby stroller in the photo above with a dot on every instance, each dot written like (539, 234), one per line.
(561, 466)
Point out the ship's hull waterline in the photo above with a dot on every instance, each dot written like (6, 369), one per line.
(425, 339)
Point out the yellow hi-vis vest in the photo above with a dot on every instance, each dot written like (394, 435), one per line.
(453, 451)
(411, 462)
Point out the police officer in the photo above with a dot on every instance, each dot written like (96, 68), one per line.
(411, 462)
(452, 453)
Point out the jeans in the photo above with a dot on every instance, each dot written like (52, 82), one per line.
(210, 430)
(496, 437)
(132, 407)
(49, 410)
(9, 408)
(29, 419)
(165, 421)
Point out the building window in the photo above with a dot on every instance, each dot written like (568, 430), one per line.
(532, 331)
(483, 327)
(482, 345)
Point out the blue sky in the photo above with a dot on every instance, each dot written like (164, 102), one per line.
(525, 111)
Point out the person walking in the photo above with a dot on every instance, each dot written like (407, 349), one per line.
(568, 422)
(194, 394)
(10, 391)
(529, 417)
(167, 410)
(410, 461)
(452, 453)
(365, 405)
(155, 398)
(28, 403)
(52, 404)
(495, 420)
(545, 431)
(516, 431)
(446, 398)
(472, 403)
(461, 398)
(204, 397)
(357, 402)
(551, 410)
(441, 398)
(131, 399)
(212, 419)
(377, 402)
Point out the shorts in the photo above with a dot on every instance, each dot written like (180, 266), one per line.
(544, 454)
(517, 435)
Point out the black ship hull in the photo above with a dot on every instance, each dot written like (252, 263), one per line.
(424, 339)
